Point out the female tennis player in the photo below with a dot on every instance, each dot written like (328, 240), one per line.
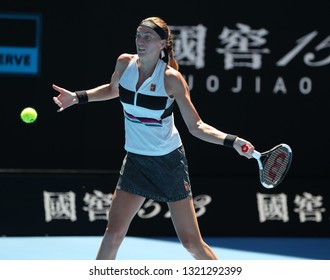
(155, 166)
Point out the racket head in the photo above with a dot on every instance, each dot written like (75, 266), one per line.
(274, 164)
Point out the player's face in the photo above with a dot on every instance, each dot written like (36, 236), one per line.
(148, 42)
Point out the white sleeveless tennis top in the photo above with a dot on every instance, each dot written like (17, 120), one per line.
(148, 111)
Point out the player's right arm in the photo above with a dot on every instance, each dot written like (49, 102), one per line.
(67, 98)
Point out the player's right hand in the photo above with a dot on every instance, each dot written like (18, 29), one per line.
(65, 98)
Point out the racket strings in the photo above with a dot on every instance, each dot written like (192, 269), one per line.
(276, 166)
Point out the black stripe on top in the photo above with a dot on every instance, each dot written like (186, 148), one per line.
(167, 112)
(126, 96)
(145, 101)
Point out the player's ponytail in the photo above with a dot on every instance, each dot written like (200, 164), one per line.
(170, 52)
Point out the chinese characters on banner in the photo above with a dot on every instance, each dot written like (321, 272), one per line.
(62, 206)
(271, 207)
(244, 47)
(275, 207)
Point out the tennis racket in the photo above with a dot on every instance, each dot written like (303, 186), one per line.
(273, 164)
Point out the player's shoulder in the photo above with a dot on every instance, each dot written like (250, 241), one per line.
(174, 82)
(124, 59)
(172, 75)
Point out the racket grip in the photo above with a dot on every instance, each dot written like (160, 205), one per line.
(255, 153)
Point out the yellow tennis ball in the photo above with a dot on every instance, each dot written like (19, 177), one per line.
(29, 115)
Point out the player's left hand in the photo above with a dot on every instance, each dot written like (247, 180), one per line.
(239, 143)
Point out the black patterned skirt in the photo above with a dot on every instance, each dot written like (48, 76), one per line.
(160, 178)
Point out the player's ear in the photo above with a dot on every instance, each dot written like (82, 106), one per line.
(162, 44)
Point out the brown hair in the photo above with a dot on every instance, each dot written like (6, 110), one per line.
(168, 50)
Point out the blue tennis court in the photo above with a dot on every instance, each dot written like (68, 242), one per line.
(137, 248)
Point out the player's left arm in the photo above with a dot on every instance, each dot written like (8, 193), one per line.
(177, 87)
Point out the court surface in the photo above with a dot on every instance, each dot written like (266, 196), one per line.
(137, 248)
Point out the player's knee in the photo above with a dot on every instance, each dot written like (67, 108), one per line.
(115, 235)
(191, 244)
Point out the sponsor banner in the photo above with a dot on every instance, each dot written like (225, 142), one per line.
(78, 204)
(18, 60)
(20, 44)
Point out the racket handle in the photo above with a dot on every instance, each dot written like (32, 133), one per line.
(255, 153)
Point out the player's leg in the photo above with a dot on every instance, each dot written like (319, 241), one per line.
(186, 225)
(124, 207)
